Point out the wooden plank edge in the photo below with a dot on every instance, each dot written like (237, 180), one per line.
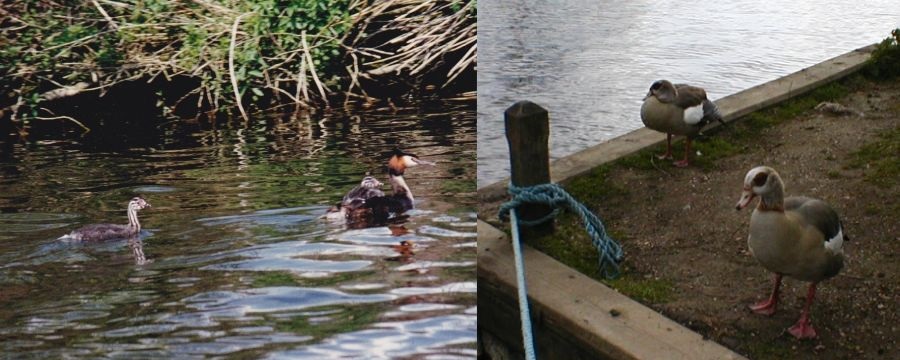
(581, 309)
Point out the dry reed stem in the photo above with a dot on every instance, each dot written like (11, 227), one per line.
(112, 23)
(234, 81)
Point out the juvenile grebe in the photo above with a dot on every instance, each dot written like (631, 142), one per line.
(368, 188)
(96, 232)
(377, 208)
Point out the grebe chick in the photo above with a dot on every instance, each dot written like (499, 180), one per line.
(97, 232)
(369, 187)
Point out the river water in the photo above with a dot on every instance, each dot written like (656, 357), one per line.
(591, 62)
(234, 259)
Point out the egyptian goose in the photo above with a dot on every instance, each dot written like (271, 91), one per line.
(799, 237)
(677, 110)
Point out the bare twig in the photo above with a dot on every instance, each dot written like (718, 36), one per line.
(112, 23)
(234, 81)
(62, 117)
(312, 66)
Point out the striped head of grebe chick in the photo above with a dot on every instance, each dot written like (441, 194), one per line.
(369, 187)
(97, 232)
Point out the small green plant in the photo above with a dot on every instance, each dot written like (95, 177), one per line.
(880, 168)
(885, 61)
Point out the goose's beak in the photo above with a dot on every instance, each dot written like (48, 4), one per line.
(746, 197)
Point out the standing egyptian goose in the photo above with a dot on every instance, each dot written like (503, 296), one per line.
(799, 237)
(678, 110)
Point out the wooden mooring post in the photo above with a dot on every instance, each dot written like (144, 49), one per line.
(528, 135)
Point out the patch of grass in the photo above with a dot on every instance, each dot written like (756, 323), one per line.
(641, 160)
(595, 187)
(570, 245)
(768, 350)
(755, 122)
(653, 291)
(713, 149)
(878, 159)
(833, 174)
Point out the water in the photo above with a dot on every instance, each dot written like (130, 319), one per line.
(234, 259)
(591, 62)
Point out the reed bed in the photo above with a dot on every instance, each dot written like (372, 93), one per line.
(235, 54)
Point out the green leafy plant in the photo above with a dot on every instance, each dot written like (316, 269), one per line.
(885, 61)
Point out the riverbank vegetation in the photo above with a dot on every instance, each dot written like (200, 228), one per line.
(229, 55)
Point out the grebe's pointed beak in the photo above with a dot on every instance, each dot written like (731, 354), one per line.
(423, 162)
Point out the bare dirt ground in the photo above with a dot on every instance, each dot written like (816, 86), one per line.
(680, 226)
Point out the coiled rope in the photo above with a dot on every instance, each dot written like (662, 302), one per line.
(610, 252)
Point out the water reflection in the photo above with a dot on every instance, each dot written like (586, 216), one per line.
(590, 62)
(234, 258)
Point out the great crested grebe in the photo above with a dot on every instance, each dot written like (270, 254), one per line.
(367, 204)
(96, 232)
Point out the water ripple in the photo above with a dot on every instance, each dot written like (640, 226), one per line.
(431, 336)
(240, 303)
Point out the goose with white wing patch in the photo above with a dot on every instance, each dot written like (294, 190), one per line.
(798, 236)
(678, 109)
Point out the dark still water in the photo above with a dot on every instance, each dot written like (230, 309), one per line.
(234, 259)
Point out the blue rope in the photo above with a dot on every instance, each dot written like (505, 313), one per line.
(524, 313)
(610, 252)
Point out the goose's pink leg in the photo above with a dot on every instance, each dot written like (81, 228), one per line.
(687, 152)
(767, 307)
(668, 154)
(803, 328)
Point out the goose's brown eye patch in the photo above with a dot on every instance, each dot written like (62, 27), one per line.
(760, 179)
